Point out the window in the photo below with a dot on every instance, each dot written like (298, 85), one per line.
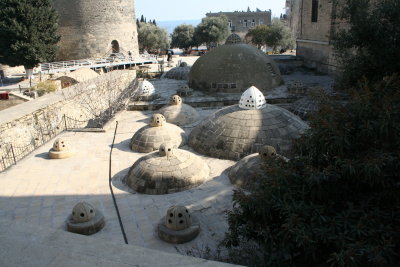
(253, 23)
(245, 23)
(314, 11)
(230, 23)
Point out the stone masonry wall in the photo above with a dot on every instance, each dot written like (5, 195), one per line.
(88, 27)
(37, 121)
(241, 21)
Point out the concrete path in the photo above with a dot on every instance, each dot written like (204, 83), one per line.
(39, 191)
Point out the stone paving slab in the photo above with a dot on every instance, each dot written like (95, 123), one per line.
(42, 192)
(30, 245)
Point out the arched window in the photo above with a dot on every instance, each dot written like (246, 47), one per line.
(115, 46)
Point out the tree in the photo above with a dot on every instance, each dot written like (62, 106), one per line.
(370, 46)
(152, 37)
(182, 36)
(154, 22)
(274, 36)
(337, 201)
(211, 30)
(142, 18)
(28, 32)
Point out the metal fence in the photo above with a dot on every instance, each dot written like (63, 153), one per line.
(11, 153)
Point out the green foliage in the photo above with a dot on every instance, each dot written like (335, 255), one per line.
(337, 201)
(45, 87)
(276, 35)
(182, 36)
(370, 46)
(151, 36)
(211, 30)
(27, 32)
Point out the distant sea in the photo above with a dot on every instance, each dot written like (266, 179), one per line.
(171, 24)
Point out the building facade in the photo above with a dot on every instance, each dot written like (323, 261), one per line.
(240, 22)
(314, 23)
(96, 28)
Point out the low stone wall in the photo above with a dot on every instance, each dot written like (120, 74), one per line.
(33, 123)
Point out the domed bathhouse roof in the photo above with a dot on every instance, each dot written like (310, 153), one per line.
(247, 171)
(150, 137)
(236, 131)
(234, 67)
(178, 73)
(179, 113)
(166, 171)
(146, 91)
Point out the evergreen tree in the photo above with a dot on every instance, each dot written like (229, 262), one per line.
(152, 37)
(370, 46)
(154, 22)
(182, 36)
(211, 30)
(337, 201)
(28, 32)
(142, 18)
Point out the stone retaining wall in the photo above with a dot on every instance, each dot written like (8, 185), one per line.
(35, 122)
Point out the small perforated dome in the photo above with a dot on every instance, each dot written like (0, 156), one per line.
(233, 39)
(146, 88)
(267, 152)
(158, 120)
(176, 100)
(83, 212)
(252, 98)
(60, 144)
(178, 218)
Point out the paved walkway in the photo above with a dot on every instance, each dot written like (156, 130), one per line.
(40, 191)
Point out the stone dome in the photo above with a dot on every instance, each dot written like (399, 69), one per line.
(83, 212)
(247, 171)
(178, 225)
(150, 137)
(61, 149)
(146, 91)
(166, 171)
(146, 88)
(234, 132)
(179, 113)
(233, 39)
(85, 219)
(178, 73)
(232, 68)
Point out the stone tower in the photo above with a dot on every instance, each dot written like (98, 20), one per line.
(96, 28)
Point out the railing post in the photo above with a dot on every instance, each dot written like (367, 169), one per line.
(12, 150)
(65, 122)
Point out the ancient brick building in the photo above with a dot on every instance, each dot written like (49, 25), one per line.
(240, 21)
(96, 28)
(314, 22)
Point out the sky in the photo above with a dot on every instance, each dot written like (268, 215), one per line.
(169, 10)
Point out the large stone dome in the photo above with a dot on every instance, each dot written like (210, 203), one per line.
(234, 132)
(232, 68)
(167, 171)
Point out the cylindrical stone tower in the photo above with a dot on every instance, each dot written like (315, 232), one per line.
(96, 28)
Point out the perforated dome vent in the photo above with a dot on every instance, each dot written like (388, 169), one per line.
(252, 98)
(233, 39)
(146, 88)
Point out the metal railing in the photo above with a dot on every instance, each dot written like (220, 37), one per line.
(53, 67)
(11, 153)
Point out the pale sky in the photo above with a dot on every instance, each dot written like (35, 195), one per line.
(163, 10)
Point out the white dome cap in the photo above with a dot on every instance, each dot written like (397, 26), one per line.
(252, 98)
(146, 88)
